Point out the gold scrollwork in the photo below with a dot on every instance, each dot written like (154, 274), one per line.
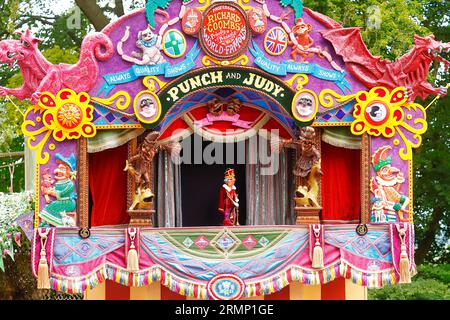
(41, 157)
(328, 98)
(406, 151)
(241, 3)
(149, 82)
(206, 4)
(121, 99)
(300, 82)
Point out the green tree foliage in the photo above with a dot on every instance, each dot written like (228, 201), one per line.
(388, 29)
(432, 282)
(60, 44)
(431, 165)
(11, 137)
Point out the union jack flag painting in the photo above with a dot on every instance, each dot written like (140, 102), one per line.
(276, 41)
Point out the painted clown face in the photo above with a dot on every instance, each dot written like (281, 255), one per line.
(62, 172)
(305, 106)
(148, 108)
(390, 176)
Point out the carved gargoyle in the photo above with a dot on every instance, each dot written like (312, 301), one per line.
(40, 75)
(308, 152)
(139, 166)
(309, 155)
(216, 107)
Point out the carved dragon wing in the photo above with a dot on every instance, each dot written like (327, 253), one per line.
(348, 43)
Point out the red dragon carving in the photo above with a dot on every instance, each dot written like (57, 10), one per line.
(410, 70)
(40, 75)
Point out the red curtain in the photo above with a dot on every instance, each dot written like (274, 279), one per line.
(341, 190)
(108, 186)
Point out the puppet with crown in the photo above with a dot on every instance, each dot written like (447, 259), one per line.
(228, 200)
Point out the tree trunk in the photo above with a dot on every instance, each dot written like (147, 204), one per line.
(429, 236)
(118, 10)
(94, 13)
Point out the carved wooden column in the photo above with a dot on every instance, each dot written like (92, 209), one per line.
(83, 185)
(142, 216)
(306, 214)
(365, 179)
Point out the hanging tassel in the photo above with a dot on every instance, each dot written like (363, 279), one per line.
(405, 274)
(43, 281)
(132, 257)
(317, 260)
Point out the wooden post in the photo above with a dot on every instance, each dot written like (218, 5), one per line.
(83, 184)
(365, 177)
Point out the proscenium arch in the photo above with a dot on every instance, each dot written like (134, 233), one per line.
(203, 79)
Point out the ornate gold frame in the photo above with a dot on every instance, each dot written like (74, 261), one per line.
(248, 30)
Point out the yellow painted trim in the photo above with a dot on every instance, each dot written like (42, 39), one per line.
(206, 2)
(254, 298)
(37, 195)
(410, 189)
(96, 293)
(119, 126)
(150, 292)
(299, 291)
(354, 292)
(121, 99)
(331, 124)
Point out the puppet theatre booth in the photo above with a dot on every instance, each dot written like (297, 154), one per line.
(223, 150)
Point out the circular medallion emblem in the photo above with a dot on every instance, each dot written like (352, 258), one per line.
(225, 287)
(69, 115)
(191, 21)
(305, 105)
(361, 229)
(224, 33)
(276, 41)
(84, 233)
(376, 113)
(174, 43)
(257, 20)
(147, 107)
